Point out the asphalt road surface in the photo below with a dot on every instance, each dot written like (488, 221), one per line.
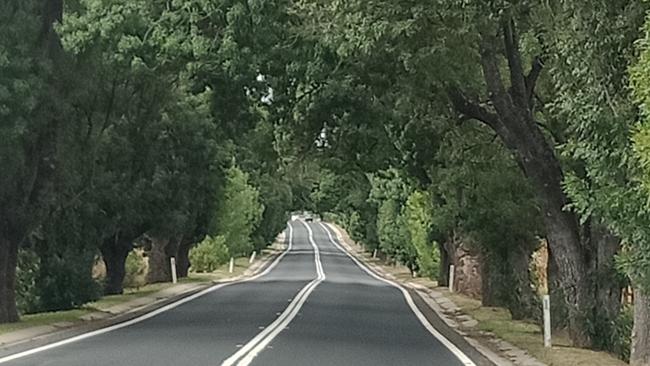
(314, 305)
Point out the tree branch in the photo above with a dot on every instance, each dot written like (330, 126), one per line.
(517, 80)
(471, 109)
(531, 79)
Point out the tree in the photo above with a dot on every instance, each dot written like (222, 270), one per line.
(239, 212)
(636, 258)
(32, 100)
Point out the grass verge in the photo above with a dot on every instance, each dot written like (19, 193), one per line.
(130, 294)
(528, 336)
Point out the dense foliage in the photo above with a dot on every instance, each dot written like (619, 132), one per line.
(426, 129)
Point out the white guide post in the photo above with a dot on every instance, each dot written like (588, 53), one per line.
(172, 261)
(231, 267)
(452, 273)
(546, 301)
(252, 258)
(374, 253)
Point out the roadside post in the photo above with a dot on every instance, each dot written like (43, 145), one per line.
(374, 253)
(452, 272)
(172, 261)
(546, 301)
(231, 267)
(252, 258)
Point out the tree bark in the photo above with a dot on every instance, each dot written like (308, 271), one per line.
(447, 258)
(8, 262)
(162, 250)
(183, 257)
(114, 253)
(489, 296)
(640, 355)
(159, 267)
(445, 262)
(607, 283)
(522, 303)
(559, 314)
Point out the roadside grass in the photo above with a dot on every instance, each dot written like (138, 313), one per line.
(41, 319)
(523, 334)
(130, 294)
(528, 336)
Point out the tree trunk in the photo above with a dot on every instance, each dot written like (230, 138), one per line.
(564, 240)
(522, 303)
(8, 262)
(162, 250)
(607, 283)
(447, 258)
(489, 284)
(445, 262)
(640, 355)
(159, 266)
(559, 314)
(183, 257)
(114, 253)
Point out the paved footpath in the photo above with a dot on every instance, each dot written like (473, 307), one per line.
(315, 305)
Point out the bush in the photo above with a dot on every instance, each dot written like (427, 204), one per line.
(615, 337)
(419, 221)
(54, 278)
(209, 254)
(135, 269)
(27, 298)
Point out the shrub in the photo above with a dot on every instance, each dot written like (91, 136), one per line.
(136, 269)
(209, 254)
(27, 298)
(615, 336)
(419, 221)
(54, 278)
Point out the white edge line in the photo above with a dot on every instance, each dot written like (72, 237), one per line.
(150, 314)
(447, 343)
(257, 344)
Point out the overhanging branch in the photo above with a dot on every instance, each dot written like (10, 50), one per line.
(531, 79)
(471, 109)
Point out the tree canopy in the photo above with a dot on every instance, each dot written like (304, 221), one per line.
(424, 128)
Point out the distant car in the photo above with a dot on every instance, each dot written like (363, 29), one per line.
(309, 219)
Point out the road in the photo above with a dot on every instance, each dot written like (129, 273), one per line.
(315, 305)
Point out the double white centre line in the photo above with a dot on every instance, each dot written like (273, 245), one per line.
(256, 345)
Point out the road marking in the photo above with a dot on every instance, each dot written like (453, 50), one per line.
(246, 354)
(409, 300)
(151, 314)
